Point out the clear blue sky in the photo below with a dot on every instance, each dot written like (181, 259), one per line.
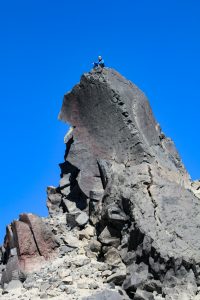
(47, 45)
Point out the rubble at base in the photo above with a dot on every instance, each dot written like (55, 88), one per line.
(73, 274)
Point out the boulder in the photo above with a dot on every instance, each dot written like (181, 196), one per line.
(143, 295)
(53, 200)
(44, 239)
(105, 295)
(112, 257)
(77, 218)
(110, 237)
(28, 244)
(82, 219)
(137, 276)
(180, 284)
(68, 206)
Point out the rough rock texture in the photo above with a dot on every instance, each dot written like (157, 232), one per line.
(148, 211)
(74, 273)
(113, 121)
(125, 214)
(28, 244)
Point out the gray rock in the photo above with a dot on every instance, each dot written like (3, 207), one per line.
(132, 133)
(13, 285)
(96, 195)
(53, 200)
(127, 256)
(88, 232)
(146, 202)
(44, 296)
(110, 237)
(81, 261)
(93, 285)
(139, 168)
(138, 275)
(13, 252)
(143, 295)
(65, 249)
(152, 286)
(71, 218)
(105, 295)
(117, 277)
(112, 257)
(95, 246)
(12, 267)
(65, 184)
(82, 219)
(105, 170)
(68, 205)
(67, 280)
(44, 286)
(94, 211)
(141, 197)
(180, 284)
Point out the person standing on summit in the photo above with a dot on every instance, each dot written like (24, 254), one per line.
(99, 63)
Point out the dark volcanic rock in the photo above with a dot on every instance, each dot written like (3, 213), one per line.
(137, 276)
(112, 120)
(125, 177)
(147, 210)
(53, 201)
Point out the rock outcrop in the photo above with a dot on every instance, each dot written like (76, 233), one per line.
(28, 244)
(125, 205)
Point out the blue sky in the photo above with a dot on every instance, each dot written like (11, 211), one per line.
(46, 46)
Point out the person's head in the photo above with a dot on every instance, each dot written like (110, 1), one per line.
(99, 57)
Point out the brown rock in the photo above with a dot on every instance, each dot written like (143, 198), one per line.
(29, 242)
(24, 238)
(42, 235)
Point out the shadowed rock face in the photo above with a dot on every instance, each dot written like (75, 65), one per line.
(147, 211)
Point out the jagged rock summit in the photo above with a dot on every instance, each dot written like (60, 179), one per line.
(112, 120)
(147, 205)
(125, 216)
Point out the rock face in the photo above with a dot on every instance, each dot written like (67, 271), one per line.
(27, 246)
(125, 214)
(113, 121)
(147, 212)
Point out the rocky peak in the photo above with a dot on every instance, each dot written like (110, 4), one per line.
(113, 121)
(124, 220)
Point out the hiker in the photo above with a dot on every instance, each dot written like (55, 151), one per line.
(100, 62)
